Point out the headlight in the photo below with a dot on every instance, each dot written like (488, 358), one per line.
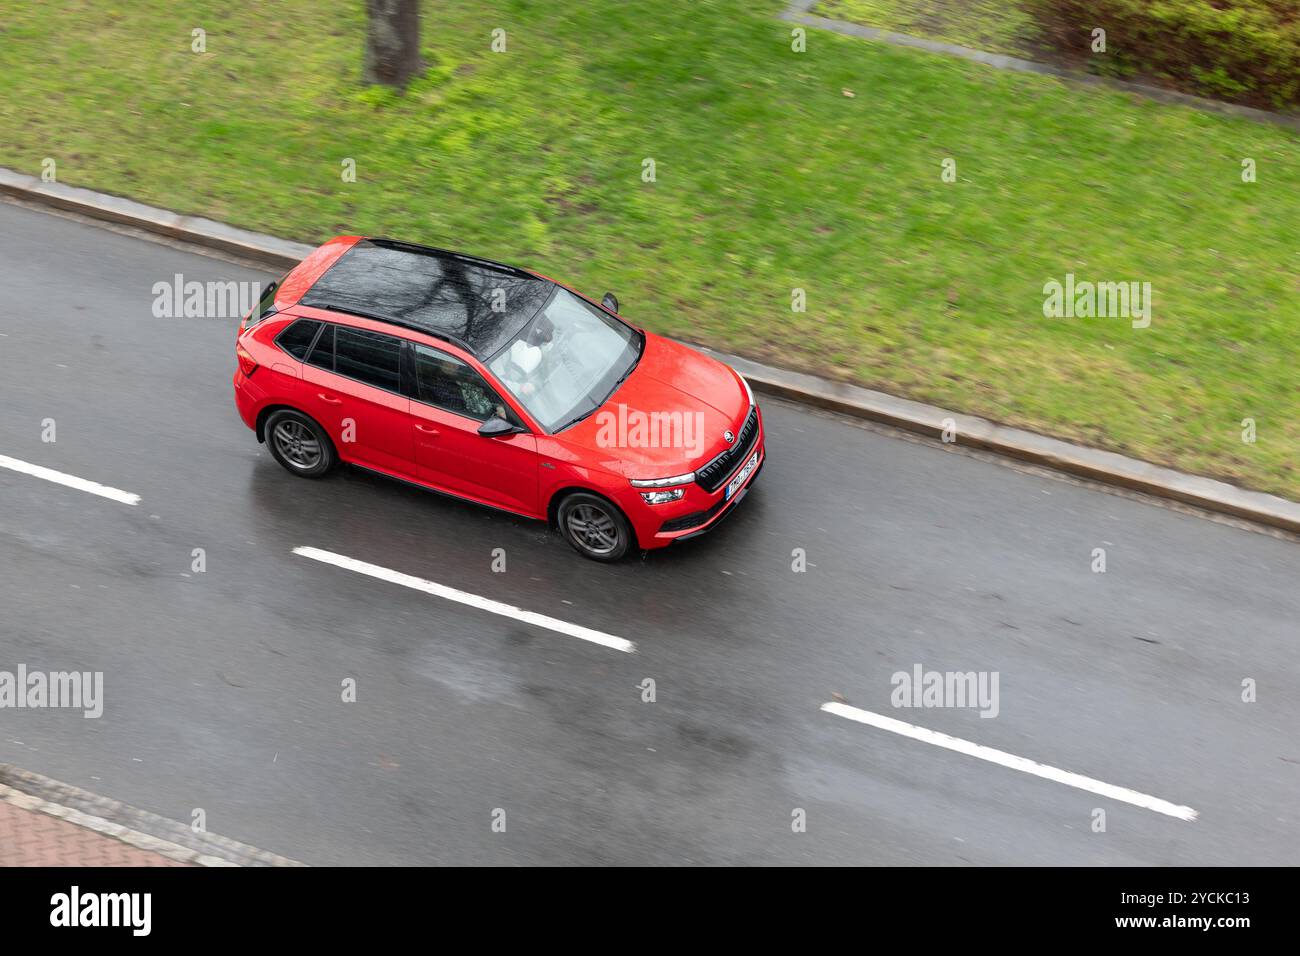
(662, 497)
(663, 482)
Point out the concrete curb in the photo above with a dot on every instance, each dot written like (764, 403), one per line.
(140, 829)
(277, 253)
(970, 431)
(797, 12)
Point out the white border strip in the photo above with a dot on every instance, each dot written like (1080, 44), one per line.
(1002, 758)
(464, 597)
(70, 481)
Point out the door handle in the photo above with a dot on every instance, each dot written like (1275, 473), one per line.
(329, 399)
(427, 429)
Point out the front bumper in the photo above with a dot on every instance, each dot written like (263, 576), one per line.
(727, 507)
(697, 513)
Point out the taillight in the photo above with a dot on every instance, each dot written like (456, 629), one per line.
(246, 362)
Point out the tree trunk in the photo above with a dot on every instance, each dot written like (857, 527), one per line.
(392, 42)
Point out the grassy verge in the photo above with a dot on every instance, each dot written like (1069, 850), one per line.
(769, 177)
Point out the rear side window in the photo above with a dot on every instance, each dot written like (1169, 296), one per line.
(369, 357)
(297, 338)
(322, 355)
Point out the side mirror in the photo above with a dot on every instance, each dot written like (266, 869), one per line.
(610, 302)
(497, 426)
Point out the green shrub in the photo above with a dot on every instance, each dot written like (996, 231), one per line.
(1242, 50)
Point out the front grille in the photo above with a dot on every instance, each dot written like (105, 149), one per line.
(713, 475)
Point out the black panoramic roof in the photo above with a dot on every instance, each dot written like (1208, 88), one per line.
(476, 303)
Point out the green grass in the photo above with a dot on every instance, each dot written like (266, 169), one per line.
(999, 26)
(768, 178)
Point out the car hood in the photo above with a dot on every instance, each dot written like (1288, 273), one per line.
(669, 417)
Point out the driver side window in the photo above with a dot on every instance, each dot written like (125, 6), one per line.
(448, 383)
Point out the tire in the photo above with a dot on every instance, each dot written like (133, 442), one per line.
(594, 527)
(299, 444)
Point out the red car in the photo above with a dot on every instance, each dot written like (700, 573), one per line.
(497, 385)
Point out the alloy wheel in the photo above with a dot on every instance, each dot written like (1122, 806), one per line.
(593, 528)
(297, 445)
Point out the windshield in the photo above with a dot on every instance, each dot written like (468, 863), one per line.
(566, 362)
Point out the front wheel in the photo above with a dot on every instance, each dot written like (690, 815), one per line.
(594, 527)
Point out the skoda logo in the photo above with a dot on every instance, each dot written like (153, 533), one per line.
(728, 437)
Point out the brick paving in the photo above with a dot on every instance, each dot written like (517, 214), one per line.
(32, 838)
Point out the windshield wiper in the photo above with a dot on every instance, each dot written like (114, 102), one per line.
(574, 421)
(610, 394)
(630, 369)
(594, 405)
(621, 379)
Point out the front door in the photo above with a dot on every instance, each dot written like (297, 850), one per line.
(451, 401)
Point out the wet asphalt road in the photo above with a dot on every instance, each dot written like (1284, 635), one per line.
(223, 688)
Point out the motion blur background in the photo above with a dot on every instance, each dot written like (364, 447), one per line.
(524, 132)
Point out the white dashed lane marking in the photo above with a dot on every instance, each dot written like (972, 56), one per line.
(464, 597)
(69, 481)
(1004, 759)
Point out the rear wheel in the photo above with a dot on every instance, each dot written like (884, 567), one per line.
(594, 527)
(299, 444)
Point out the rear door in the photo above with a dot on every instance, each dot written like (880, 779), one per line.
(450, 402)
(352, 386)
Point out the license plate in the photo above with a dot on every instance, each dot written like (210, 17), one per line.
(739, 480)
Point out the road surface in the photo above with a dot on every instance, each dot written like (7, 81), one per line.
(223, 689)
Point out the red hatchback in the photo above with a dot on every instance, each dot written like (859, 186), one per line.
(497, 385)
